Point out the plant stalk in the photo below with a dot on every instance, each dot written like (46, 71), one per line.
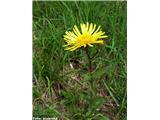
(89, 59)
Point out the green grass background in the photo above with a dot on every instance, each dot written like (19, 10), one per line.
(58, 90)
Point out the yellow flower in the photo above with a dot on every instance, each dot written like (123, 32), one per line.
(86, 37)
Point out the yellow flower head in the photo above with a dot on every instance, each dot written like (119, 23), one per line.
(86, 37)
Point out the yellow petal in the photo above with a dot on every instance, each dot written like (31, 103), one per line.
(83, 29)
(90, 45)
(90, 28)
(98, 41)
(84, 45)
(75, 29)
(74, 48)
(87, 26)
(93, 28)
(105, 36)
(69, 48)
(97, 29)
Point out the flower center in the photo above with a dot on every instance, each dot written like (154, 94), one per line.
(84, 39)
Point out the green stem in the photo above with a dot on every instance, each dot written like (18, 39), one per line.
(89, 59)
(92, 81)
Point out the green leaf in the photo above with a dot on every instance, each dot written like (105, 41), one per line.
(110, 92)
(96, 103)
(100, 72)
(101, 117)
(86, 76)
